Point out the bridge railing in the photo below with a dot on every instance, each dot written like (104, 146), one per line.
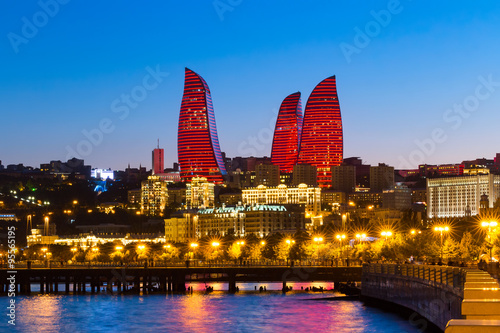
(451, 276)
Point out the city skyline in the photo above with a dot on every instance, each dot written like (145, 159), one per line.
(414, 87)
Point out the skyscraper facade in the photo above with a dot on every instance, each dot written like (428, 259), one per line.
(286, 140)
(197, 141)
(321, 142)
(158, 158)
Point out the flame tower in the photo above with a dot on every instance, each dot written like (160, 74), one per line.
(322, 142)
(197, 141)
(286, 140)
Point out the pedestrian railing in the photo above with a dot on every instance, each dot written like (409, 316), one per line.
(451, 276)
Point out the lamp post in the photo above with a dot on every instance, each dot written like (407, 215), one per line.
(289, 242)
(441, 229)
(340, 238)
(317, 240)
(489, 225)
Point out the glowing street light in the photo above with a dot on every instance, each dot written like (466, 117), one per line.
(386, 234)
(167, 246)
(118, 248)
(194, 245)
(215, 244)
(262, 243)
(74, 249)
(489, 225)
(441, 229)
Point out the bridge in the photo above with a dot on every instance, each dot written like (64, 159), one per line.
(161, 279)
(454, 299)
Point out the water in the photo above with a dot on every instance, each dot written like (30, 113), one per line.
(199, 312)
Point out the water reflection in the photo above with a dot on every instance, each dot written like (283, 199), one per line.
(201, 312)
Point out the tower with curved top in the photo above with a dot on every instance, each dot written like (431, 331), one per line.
(286, 140)
(322, 142)
(198, 148)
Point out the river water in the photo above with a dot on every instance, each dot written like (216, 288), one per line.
(246, 311)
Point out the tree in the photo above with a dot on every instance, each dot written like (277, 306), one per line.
(468, 248)
(450, 248)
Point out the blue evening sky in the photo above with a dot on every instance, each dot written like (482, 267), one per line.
(418, 81)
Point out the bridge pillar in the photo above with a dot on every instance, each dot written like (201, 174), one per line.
(285, 287)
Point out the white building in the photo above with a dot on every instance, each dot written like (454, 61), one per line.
(302, 194)
(460, 196)
(200, 193)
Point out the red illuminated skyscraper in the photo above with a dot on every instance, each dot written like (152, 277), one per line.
(197, 141)
(158, 154)
(322, 141)
(287, 132)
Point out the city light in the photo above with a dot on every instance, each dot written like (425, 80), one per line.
(386, 234)
(118, 248)
(262, 243)
(141, 247)
(215, 244)
(167, 246)
(441, 229)
(194, 245)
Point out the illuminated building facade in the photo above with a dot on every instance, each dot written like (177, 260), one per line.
(200, 193)
(197, 141)
(181, 229)
(259, 220)
(310, 197)
(321, 142)
(286, 140)
(157, 160)
(460, 196)
(154, 196)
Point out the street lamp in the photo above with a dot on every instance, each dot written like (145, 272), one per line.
(318, 240)
(489, 225)
(360, 237)
(118, 248)
(386, 234)
(215, 244)
(340, 238)
(441, 229)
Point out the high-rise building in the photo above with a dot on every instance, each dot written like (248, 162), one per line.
(267, 174)
(158, 158)
(381, 177)
(154, 196)
(460, 196)
(286, 140)
(344, 178)
(200, 193)
(398, 197)
(197, 141)
(305, 174)
(321, 142)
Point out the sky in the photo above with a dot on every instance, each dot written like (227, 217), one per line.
(418, 81)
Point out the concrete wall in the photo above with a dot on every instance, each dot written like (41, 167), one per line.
(437, 302)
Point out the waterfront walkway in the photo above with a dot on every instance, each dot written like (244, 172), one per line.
(454, 299)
